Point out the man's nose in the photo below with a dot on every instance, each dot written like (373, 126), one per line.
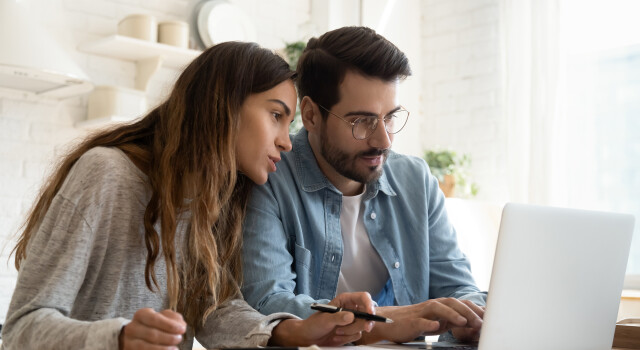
(380, 138)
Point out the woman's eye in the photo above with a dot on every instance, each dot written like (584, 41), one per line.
(276, 115)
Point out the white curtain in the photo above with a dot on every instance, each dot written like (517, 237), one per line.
(531, 88)
(571, 101)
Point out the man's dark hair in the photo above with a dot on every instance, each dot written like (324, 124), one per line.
(326, 60)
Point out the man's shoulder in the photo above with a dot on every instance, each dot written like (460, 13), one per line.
(402, 163)
(285, 169)
(406, 175)
(297, 167)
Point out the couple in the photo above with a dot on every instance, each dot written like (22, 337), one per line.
(136, 240)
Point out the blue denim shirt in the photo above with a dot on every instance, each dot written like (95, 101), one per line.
(293, 242)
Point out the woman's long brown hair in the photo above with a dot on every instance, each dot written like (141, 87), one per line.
(192, 135)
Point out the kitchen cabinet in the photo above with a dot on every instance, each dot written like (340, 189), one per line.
(147, 56)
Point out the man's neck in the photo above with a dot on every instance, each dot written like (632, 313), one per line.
(348, 187)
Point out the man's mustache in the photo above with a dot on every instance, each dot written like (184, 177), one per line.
(374, 153)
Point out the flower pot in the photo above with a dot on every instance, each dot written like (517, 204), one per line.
(448, 185)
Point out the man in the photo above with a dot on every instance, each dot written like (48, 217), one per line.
(345, 213)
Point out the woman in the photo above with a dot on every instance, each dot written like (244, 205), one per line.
(164, 198)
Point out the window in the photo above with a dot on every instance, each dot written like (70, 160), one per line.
(602, 86)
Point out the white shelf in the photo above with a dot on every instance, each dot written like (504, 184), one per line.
(132, 49)
(39, 85)
(148, 57)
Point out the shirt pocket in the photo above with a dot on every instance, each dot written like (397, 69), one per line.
(303, 257)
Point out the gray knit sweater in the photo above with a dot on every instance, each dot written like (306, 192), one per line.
(83, 277)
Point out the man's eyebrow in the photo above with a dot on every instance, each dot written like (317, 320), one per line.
(370, 114)
(287, 110)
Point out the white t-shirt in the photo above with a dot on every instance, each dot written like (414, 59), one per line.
(362, 269)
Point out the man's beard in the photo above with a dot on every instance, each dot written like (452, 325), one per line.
(345, 164)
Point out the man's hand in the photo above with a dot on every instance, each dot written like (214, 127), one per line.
(153, 330)
(469, 334)
(430, 317)
(327, 329)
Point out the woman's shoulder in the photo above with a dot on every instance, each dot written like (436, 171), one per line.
(98, 159)
(103, 169)
(107, 162)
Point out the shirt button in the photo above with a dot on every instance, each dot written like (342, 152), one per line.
(396, 264)
(333, 257)
(373, 216)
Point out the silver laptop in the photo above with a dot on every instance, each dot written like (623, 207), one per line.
(556, 280)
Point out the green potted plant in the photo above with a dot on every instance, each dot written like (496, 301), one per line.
(451, 171)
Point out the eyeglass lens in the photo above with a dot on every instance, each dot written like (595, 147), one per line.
(365, 126)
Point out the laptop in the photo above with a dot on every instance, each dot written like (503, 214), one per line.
(556, 281)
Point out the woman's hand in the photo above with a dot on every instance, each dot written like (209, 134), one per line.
(327, 329)
(153, 330)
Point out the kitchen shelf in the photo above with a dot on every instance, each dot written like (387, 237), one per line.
(132, 49)
(148, 56)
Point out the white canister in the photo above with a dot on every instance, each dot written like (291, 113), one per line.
(107, 101)
(174, 33)
(139, 26)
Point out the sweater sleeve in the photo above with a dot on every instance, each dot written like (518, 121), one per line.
(236, 324)
(48, 283)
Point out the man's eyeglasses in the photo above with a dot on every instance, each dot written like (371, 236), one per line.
(363, 126)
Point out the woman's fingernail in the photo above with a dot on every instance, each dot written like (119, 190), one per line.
(339, 332)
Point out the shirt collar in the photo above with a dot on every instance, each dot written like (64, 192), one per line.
(382, 184)
(313, 179)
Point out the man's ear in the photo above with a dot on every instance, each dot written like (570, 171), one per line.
(310, 115)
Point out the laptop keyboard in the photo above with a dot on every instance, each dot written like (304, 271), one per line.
(449, 346)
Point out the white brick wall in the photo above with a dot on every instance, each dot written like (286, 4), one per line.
(33, 133)
(461, 87)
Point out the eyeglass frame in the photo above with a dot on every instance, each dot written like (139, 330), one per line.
(353, 123)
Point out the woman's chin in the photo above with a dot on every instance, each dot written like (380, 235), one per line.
(260, 179)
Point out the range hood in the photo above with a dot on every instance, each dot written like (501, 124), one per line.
(32, 64)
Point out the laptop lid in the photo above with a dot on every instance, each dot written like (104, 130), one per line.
(557, 279)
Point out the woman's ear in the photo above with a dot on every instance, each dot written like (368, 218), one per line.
(310, 114)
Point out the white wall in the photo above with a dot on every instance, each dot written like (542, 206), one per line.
(400, 21)
(33, 133)
(460, 102)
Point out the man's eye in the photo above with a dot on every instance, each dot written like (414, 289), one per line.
(367, 120)
(363, 119)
